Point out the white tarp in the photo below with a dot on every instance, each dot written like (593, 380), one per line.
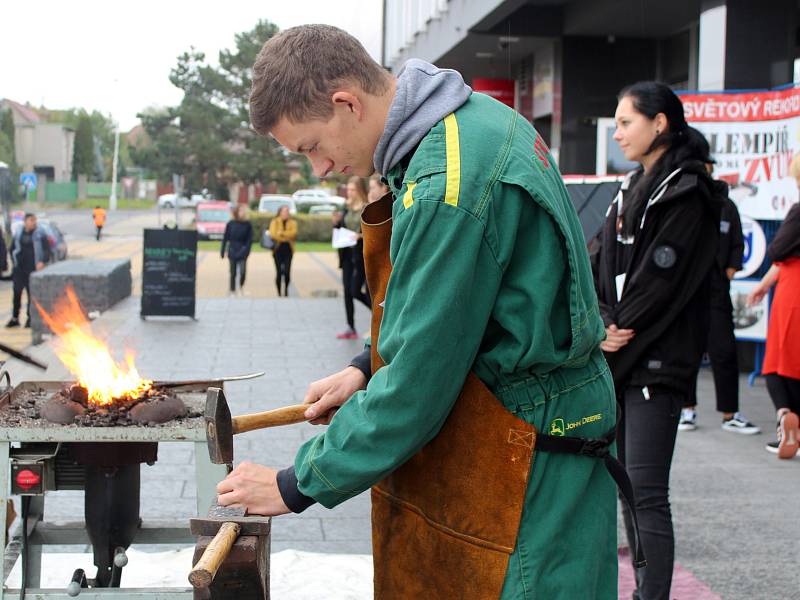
(294, 575)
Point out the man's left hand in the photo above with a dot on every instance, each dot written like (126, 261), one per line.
(254, 487)
(39, 266)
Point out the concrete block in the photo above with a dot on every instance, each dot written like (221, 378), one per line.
(98, 284)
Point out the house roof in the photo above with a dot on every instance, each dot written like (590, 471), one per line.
(25, 115)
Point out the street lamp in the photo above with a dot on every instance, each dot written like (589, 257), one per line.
(112, 200)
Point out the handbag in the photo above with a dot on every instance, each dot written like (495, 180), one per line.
(267, 241)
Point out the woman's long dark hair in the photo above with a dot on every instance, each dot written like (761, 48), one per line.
(685, 146)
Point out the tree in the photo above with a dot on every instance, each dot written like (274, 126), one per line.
(83, 156)
(8, 154)
(103, 129)
(207, 137)
(7, 127)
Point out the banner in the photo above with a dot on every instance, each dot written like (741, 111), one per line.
(753, 137)
(499, 89)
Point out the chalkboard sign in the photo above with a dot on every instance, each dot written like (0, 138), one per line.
(169, 272)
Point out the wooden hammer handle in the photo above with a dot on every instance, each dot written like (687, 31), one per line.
(280, 416)
(202, 574)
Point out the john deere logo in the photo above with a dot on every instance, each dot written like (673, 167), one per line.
(557, 427)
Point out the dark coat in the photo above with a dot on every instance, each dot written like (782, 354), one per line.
(239, 236)
(665, 298)
(731, 248)
(786, 242)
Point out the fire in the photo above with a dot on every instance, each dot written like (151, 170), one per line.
(88, 358)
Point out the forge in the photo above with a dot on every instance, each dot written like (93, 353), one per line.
(100, 451)
(72, 405)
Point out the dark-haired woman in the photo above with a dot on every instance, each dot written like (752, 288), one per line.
(652, 266)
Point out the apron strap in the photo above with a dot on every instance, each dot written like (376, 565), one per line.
(600, 448)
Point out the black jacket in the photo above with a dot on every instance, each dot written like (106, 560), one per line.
(786, 242)
(239, 236)
(665, 298)
(731, 248)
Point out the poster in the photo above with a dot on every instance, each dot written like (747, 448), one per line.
(755, 246)
(749, 322)
(753, 137)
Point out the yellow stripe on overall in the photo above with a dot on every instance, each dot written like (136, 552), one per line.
(408, 197)
(453, 153)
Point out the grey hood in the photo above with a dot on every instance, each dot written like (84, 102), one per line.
(425, 95)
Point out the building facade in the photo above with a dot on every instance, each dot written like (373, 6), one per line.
(41, 148)
(563, 62)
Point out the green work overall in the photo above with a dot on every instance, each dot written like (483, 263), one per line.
(489, 275)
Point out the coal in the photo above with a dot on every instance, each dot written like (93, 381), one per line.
(71, 406)
(79, 394)
(62, 410)
(157, 411)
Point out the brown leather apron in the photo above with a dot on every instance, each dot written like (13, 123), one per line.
(445, 523)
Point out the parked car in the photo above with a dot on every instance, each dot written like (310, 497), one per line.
(211, 220)
(271, 203)
(315, 194)
(322, 209)
(168, 200)
(57, 245)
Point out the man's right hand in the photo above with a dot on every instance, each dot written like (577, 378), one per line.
(328, 394)
(616, 338)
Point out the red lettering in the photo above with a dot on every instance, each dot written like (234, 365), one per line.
(541, 150)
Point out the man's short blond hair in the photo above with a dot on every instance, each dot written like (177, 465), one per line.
(298, 70)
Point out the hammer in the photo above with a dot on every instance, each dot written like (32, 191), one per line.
(221, 427)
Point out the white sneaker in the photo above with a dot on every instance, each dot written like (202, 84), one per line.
(739, 424)
(688, 420)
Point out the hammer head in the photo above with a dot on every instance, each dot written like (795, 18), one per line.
(219, 431)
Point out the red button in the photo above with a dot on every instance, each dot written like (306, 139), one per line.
(27, 479)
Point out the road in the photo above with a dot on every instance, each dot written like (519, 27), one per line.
(313, 274)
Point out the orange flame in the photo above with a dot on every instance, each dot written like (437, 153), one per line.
(88, 358)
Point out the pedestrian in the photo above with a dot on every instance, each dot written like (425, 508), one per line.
(377, 188)
(721, 345)
(351, 259)
(283, 230)
(28, 254)
(781, 366)
(485, 327)
(99, 216)
(238, 240)
(653, 262)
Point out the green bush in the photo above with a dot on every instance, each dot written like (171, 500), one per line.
(310, 228)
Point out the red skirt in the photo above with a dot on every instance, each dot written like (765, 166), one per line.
(783, 335)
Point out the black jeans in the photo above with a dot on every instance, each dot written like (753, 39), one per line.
(784, 392)
(21, 281)
(283, 267)
(721, 348)
(99, 231)
(353, 280)
(241, 267)
(645, 443)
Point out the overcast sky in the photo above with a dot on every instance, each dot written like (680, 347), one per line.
(64, 54)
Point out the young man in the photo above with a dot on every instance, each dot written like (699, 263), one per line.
(28, 254)
(490, 287)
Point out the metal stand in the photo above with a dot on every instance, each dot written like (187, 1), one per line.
(41, 533)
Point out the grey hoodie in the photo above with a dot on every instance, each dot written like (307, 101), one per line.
(425, 95)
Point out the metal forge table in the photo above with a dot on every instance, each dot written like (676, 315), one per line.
(40, 533)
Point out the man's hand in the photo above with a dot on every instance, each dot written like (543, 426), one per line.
(255, 488)
(39, 266)
(616, 338)
(730, 272)
(327, 395)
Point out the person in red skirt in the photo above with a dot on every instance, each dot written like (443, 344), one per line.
(781, 366)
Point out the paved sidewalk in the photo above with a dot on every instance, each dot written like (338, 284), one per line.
(730, 498)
